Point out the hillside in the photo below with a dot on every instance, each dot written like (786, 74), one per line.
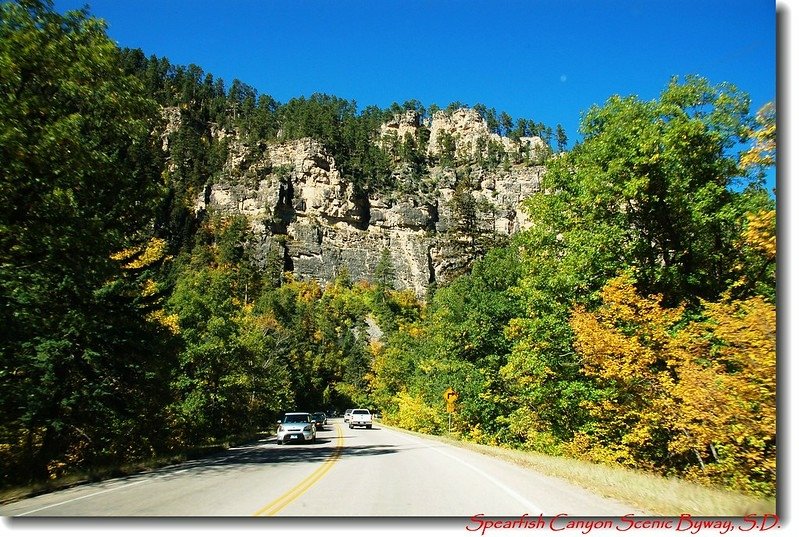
(302, 211)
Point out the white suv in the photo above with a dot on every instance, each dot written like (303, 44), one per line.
(296, 426)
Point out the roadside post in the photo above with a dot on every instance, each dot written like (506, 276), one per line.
(450, 396)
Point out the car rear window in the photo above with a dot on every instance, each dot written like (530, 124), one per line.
(360, 411)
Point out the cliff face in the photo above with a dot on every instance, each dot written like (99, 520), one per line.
(304, 212)
(468, 130)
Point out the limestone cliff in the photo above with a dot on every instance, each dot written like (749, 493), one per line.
(301, 207)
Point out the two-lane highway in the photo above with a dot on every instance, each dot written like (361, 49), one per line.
(346, 472)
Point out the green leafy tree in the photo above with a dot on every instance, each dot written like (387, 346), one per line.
(229, 380)
(650, 190)
(77, 184)
(656, 180)
(456, 341)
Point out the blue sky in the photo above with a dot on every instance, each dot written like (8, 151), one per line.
(545, 60)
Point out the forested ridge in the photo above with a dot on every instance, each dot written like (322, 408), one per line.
(633, 323)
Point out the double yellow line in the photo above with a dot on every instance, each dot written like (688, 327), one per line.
(298, 490)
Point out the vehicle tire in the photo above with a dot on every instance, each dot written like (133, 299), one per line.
(368, 426)
(351, 426)
(279, 442)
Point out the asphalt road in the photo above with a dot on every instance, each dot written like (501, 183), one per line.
(347, 472)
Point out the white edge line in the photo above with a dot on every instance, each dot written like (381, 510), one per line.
(81, 497)
(518, 497)
(515, 495)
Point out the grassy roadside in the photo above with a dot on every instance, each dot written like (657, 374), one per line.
(11, 494)
(653, 494)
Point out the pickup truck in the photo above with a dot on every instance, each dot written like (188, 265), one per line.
(361, 417)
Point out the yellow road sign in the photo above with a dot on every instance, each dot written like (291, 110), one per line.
(450, 407)
(450, 395)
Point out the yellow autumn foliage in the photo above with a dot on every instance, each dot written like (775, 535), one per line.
(308, 292)
(149, 288)
(703, 394)
(416, 415)
(764, 150)
(406, 298)
(727, 395)
(761, 233)
(142, 256)
(169, 321)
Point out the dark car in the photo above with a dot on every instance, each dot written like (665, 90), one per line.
(320, 419)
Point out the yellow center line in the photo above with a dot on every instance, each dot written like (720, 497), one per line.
(302, 487)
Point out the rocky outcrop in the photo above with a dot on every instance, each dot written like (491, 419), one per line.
(407, 123)
(298, 202)
(170, 116)
(470, 134)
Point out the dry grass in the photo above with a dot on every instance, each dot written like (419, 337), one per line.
(659, 496)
